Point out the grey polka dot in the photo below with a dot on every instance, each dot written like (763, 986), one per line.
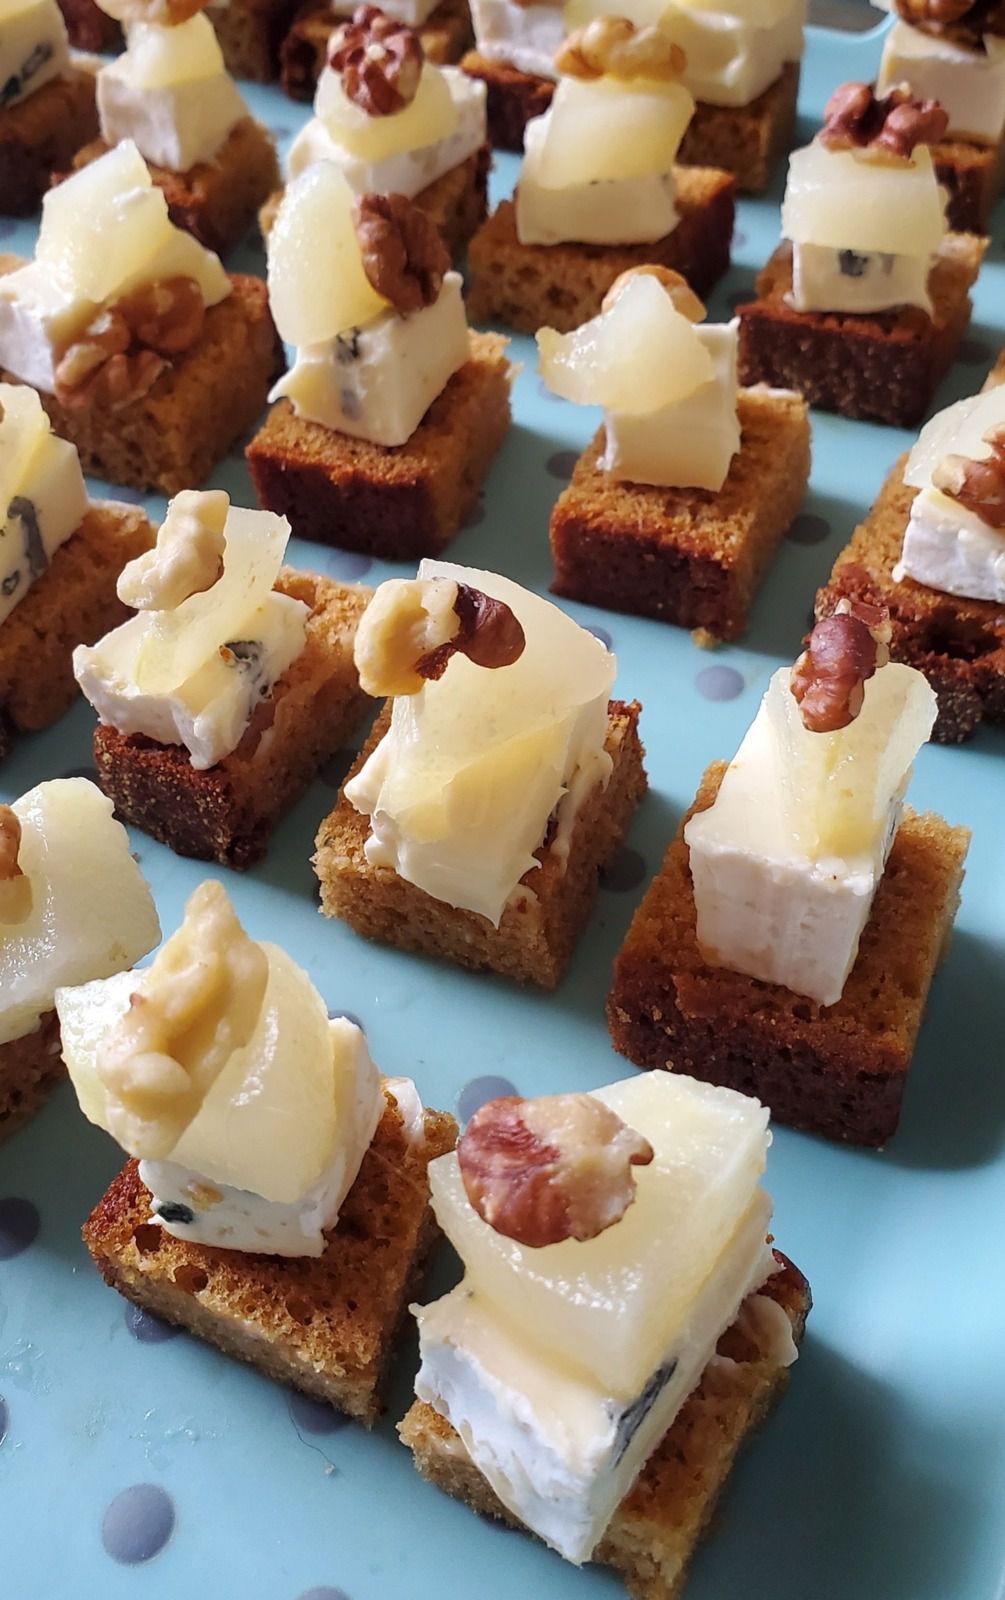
(131, 496)
(314, 1416)
(350, 1016)
(478, 1091)
(335, 768)
(739, 239)
(281, 131)
(808, 528)
(348, 564)
(603, 635)
(7, 229)
(138, 1523)
(476, 515)
(19, 1223)
(624, 871)
(975, 353)
(562, 464)
(545, 392)
(148, 1329)
(719, 683)
(325, 1592)
(4, 1419)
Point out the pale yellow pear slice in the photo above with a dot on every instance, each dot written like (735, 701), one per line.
(101, 225)
(843, 200)
(24, 427)
(160, 56)
(317, 285)
(612, 1307)
(431, 116)
(958, 430)
(604, 130)
(637, 357)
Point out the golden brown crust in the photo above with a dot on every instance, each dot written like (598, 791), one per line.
(30, 1068)
(688, 556)
(885, 365)
(958, 644)
(531, 286)
(73, 602)
(402, 502)
(444, 36)
(217, 200)
(325, 1325)
(251, 33)
(655, 1531)
(41, 135)
(837, 1070)
(538, 931)
(227, 812)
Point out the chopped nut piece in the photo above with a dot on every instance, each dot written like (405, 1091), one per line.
(403, 252)
(541, 1171)
(122, 352)
(978, 486)
(187, 558)
(887, 128)
(413, 626)
(15, 887)
(614, 47)
(682, 295)
(844, 650)
(379, 61)
(196, 1005)
(165, 316)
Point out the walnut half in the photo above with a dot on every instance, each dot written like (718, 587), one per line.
(542, 1171)
(887, 127)
(844, 650)
(187, 558)
(978, 486)
(15, 887)
(614, 47)
(378, 60)
(119, 356)
(413, 626)
(403, 252)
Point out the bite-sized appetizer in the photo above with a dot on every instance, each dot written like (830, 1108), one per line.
(396, 123)
(220, 699)
(932, 552)
(47, 107)
(390, 416)
(599, 190)
(790, 938)
(170, 93)
(60, 556)
(622, 1323)
(443, 28)
(863, 305)
(742, 68)
(250, 32)
(276, 1203)
(74, 907)
(679, 502)
(147, 355)
(497, 781)
(953, 51)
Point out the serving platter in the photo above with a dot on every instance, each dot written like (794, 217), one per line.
(136, 1463)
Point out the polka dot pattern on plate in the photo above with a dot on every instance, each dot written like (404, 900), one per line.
(19, 1224)
(562, 464)
(626, 870)
(138, 1523)
(480, 1090)
(313, 1416)
(808, 528)
(325, 1592)
(719, 683)
(348, 565)
(148, 1329)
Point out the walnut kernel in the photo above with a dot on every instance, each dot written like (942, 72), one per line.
(403, 252)
(844, 650)
(887, 128)
(413, 626)
(379, 61)
(614, 47)
(187, 558)
(978, 486)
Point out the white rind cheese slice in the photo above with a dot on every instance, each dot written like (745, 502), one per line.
(171, 94)
(968, 84)
(42, 495)
(689, 443)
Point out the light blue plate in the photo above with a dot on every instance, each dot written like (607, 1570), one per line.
(882, 1477)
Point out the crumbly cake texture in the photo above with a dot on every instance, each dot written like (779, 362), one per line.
(744, 140)
(689, 556)
(226, 813)
(546, 915)
(400, 502)
(972, 177)
(839, 1070)
(219, 199)
(174, 436)
(457, 202)
(42, 135)
(444, 36)
(326, 1325)
(531, 286)
(657, 1528)
(884, 366)
(73, 602)
(251, 33)
(30, 1068)
(958, 644)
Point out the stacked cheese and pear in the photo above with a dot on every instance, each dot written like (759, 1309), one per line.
(363, 367)
(668, 386)
(211, 636)
(218, 1067)
(966, 78)
(42, 496)
(74, 905)
(786, 862)
(948, 544)
(460, 790)
(562, 1365)
(865, 224)
(435, 122)
(104, 232)
(34, 49)
(598, 164)
(169, 91)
